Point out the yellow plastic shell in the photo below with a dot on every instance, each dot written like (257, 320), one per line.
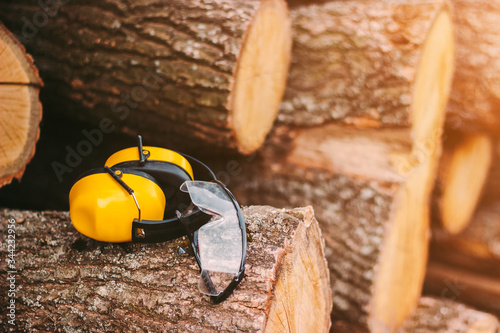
(101, 209)
(157, 154)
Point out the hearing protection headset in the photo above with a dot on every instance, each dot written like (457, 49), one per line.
(137, 197)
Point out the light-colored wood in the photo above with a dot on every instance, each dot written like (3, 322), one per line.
(358, 62)
(180, 73)
(474, 100)
(20, 109)
(463, 173)
(441, 315)
(374, 212)
(68, 282)
(370, 186)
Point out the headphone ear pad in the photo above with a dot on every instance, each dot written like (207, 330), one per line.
(170, 177)
(100, 208)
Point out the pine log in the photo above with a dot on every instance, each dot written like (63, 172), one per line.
(477, 247)
(465, 286)
(181, 73)
(475, 95)
(67, 282)
(20, 109)
(438, 315)
(368, 63)
(371, 198)
(463, 173)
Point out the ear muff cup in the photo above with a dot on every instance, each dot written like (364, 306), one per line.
(168, 167)
(100, 208)
(170, 177)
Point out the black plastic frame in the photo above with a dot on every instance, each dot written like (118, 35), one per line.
(193, 239)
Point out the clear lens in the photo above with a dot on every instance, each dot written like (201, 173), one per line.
(219, 241)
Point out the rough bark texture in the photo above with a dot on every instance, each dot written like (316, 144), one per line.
(435, 315)
(477, 247)
(372, 204)
(358, 61)
(65, 281)
(463, 173)
(169, 70)
(475, 96)
(20, 108)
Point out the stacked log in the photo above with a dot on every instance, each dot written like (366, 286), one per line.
(463, 172)
(473, 113)
(172, 71)
(359, 138)
(65, 281)
(20, 109)
(474, 100)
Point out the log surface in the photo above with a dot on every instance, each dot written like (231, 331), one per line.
(358, 61)
(168, 70)
(475, 95)
(372, 204)
(438, 315)
(66, 282)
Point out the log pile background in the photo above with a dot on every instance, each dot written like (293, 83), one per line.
(383, 116)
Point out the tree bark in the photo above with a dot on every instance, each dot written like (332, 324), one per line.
(20, 109)
(368, 63)
(65, 281)
(475, 95)
(437, 315)
(371, 198)
(463, 173)
(180, 73)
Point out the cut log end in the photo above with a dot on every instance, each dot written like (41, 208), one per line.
(404, 255)
(261, 75)
(20, 109)
(463, 172)
(434, 78)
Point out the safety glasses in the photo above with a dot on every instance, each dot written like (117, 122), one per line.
(220, 245)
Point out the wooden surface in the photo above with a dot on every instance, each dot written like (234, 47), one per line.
(374, 213)
(171, 71)
(442, 315)
(66, 281)
(370, 186)
(475, 95)
(20, 108)
(463, 173)
(367, 63)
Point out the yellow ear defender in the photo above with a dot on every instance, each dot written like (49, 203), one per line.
(168, 167)
(137, 196)
(102, 209)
